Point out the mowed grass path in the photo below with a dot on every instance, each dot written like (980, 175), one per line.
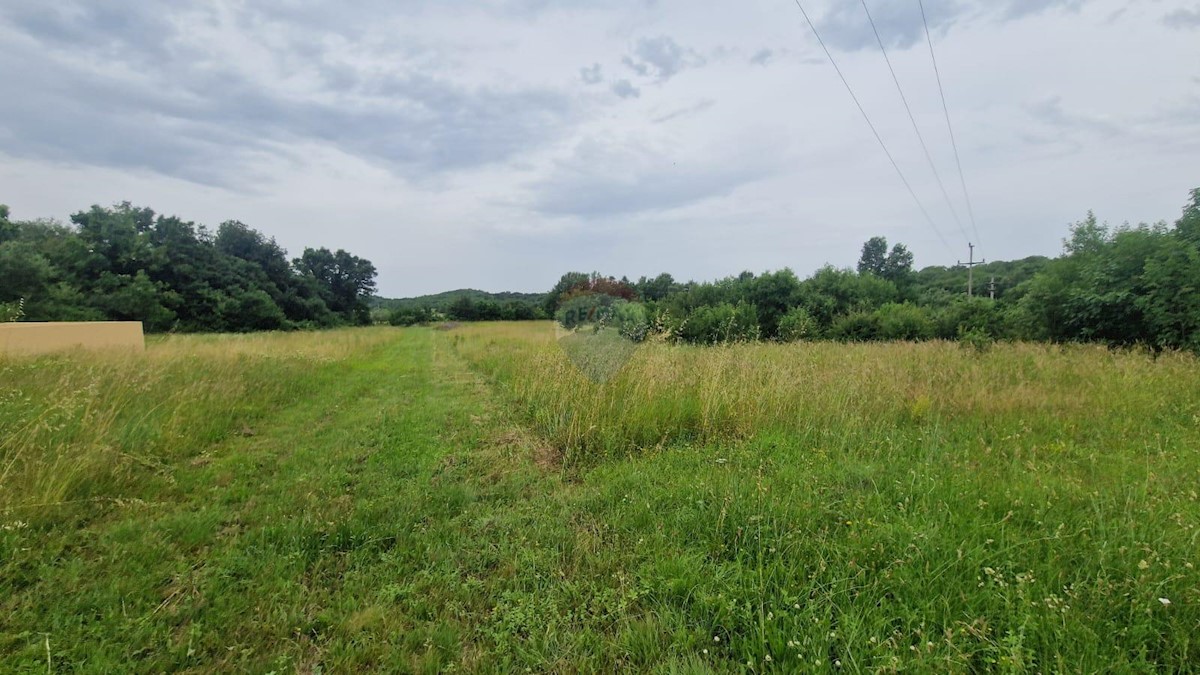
(384, 507)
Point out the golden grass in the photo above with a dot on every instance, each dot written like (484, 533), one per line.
(78, 425)
(832, 391)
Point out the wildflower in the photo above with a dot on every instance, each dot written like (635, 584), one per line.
(1143, 565)
(706, 652)
(1164, 601)
(768, 658)
(716, 638)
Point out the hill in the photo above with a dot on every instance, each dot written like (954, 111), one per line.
(443, 300)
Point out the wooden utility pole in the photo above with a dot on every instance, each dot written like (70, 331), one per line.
(970, 265)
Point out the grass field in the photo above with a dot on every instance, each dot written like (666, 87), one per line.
(471, 500)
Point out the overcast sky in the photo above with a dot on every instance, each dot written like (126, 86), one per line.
(496, 144)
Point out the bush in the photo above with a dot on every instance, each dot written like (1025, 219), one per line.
(979, 315)
(721, 323)
(904, 322)
(797, 324)
(410, 316)
(855, 327)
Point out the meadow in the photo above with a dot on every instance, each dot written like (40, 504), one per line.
(492, 498)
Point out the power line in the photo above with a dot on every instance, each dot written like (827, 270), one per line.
(946, 109)
(879, 138)
(913, 119)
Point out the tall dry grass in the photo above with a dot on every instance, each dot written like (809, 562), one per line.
(81, 427)
(837, 394)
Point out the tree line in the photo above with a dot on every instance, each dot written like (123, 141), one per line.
(461, 305)
(1122, 286)
(127, 263)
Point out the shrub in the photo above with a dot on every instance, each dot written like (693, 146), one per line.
(855, 327)
(797, 324)
(904, 322)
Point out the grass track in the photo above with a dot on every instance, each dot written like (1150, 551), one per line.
(384, 509)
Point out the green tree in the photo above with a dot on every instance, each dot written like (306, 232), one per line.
(346, 281)
(898, 267)
(8, 229)
(873, 259)
(1188, 226)
(772, 295)
(568, 281)
(463, 309)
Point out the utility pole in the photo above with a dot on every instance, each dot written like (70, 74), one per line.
(970, 265)
(992, 287)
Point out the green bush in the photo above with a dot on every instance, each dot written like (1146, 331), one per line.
(904, 322)
(797, 324)
(855, 327)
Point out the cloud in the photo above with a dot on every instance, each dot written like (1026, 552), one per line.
(1183, 19)
(625, 89)
(591, 74)
(846, 26)
(162, 103)
(762, 57)
(602, 179)
(661, 58)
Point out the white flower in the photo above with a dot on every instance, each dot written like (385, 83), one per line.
(1164, 601)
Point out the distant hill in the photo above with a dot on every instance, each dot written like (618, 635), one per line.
(443, 300)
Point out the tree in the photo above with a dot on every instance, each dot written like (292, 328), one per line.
(874, 257)
(832, 293)
(567, 282)
(898, 267)
(8, 229)
(463, 309)
(346, 281)
(1188, 226)
(657, 288)
(772, 295)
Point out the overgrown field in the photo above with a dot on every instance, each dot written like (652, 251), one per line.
(421, 501)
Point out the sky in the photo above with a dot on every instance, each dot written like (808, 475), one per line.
(496, 144)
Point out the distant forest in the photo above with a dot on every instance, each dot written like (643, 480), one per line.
(465, 304)
(128, 264)
(1121, 285)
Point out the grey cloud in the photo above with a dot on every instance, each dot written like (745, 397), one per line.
(1183, 18)
(592, 74)
(206, 123)
(762, 57)
(1015, 9)
(108, 26)
(661, 58)
(846, 26)
(602, 180)
(625, 89)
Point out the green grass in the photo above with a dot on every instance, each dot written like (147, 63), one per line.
(423, 501)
